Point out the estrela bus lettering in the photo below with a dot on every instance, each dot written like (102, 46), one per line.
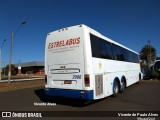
(61, 43)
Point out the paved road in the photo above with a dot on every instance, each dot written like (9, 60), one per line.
(138, 97)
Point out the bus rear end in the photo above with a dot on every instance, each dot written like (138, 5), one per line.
(64, 64)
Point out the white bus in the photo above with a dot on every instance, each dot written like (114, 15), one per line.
(82, 63)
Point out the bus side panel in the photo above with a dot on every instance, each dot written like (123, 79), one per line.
(111, 69)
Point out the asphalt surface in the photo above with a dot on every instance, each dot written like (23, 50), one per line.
(144, 96)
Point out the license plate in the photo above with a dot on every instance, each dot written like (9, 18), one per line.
(67, 82)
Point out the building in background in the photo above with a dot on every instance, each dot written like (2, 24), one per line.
(35, 67)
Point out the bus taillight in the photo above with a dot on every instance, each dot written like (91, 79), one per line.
(87, 80)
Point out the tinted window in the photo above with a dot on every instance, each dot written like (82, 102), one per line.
(124, 52)
(104, 49)
(135, 58)
(95, 45)
(109, 50)
(132, 57)
(103, 53)
(118, 53)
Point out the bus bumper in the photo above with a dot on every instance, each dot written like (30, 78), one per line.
(78, 94)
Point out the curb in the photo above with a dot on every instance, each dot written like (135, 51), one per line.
(21, 80)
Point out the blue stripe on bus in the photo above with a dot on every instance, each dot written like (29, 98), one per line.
(84, 94)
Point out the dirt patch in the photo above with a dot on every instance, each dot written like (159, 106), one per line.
(20, 85)
(2, 86)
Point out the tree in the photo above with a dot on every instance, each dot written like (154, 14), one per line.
(147, 55)
(13, 69)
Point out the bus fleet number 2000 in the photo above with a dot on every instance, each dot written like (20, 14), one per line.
(76, 77)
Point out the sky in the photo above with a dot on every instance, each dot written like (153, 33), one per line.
(129, 22)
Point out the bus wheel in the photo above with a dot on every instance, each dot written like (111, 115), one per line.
(115, 89)
(139, 78)
(123, 86)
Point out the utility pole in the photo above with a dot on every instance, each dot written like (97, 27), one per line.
(10, 60)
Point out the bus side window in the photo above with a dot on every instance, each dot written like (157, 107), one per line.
(95, 46)
(103, 53)
(106, 51)
(114, 52)
(109, 50)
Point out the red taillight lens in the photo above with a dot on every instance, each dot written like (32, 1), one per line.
(87, 80)
(45, 79)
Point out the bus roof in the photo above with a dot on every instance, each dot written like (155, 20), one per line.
(94, 32)
(108, 39)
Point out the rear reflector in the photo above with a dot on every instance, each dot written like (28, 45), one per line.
(87, 80)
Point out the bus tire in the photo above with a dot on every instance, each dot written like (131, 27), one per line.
(115, 88)
(123, 85)
(139, 78)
